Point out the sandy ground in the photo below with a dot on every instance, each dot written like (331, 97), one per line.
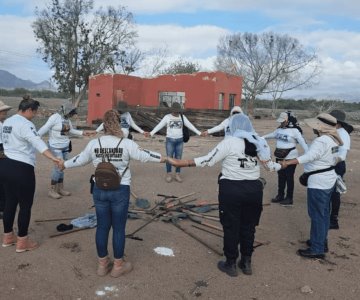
(64, 267)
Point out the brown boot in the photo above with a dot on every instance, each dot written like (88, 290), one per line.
(25, 244)
(53, 191)
(120, 267)
(104, 266)
(8, 239)
(60, 189)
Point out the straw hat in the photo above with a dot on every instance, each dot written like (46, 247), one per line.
(4, 107)
(325, 124)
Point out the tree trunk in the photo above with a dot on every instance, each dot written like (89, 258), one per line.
(80, 96)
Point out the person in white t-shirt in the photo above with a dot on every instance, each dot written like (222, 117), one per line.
(174, 122)
(224, 125)
(322, 156)
(3, 114)
(240, 190)
(344, 129)
(126, 121)
(112, 205)
(287, 136)
(20, 140)
(60, 127)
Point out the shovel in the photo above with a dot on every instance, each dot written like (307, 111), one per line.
(140, 202)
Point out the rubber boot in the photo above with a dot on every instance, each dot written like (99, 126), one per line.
(104, 266)
(245, 265)
(228, 267)
(25, 244)
(120, 267)
(9, 239)
(60, 189)
(53, 191)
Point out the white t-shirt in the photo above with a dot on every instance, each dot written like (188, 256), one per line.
(174, 126)
(59, 129)
(287, 138)
(321, 154)
(126, 121)
(224, 125)
(20, 139)
(236, 165)
(345, 137)
(119, 157)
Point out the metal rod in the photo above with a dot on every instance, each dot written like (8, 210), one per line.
(208, 231)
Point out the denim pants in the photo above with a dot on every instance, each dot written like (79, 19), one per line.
(318, 202)
(111, 211)
(57, 175)
(174, 148)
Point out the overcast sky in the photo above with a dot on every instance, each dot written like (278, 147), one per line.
(191, 29)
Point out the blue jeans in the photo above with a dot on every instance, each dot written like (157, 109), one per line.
(318, 202)
(174, 148)
(57, 175)
(111, 211)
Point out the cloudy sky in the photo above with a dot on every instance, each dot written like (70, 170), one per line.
(191, 29)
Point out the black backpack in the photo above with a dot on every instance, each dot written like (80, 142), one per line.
(107, 176)
(293, 122)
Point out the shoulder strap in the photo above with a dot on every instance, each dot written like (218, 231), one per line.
(321, 171)
(182, 118)
(102, 154)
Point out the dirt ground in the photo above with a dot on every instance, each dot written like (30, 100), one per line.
(64, 267)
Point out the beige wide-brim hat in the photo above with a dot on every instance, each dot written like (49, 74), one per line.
(325, 124)
(4, 107)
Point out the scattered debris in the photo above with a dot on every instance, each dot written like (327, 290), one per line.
(23, 266)
(306, 289)
(196, 290)
(73, 246)
(164, 251)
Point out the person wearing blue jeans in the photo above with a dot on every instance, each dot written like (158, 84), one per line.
(111, 211)
(174, 148)
(111, 205)
(321, 157)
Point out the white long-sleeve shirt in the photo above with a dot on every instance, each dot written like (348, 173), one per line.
(224, 125)
(126, 121)
(1, 125)
(174, 126)
(59, 129)
(321, 154)
(287, 138)
(119, 157)
(345, 137)
(20, 139)
(236, 165)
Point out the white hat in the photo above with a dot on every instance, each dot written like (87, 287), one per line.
(236, 109)
(4, 107)
(282, 118)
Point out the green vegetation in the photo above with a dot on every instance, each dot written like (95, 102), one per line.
(19, 92)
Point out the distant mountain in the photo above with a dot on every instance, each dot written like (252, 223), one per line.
(9, 81)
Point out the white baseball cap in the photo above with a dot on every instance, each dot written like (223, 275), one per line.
(282, 118)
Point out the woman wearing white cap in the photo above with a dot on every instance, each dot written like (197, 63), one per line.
(59, 127)
(224, 125)
(3, 113)
(320, 157)
(240, 189)
(287, 136)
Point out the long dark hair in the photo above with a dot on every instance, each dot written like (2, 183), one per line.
(27, 102)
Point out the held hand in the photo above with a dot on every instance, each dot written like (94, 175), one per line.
(204, 133)
(89, 133)
(61, 165)
(146, 134)
(283, 164)
(173, 161)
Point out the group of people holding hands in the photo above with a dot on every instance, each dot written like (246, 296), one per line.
(241, 154)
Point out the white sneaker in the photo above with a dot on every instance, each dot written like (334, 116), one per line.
(168, 177)
(178, 178)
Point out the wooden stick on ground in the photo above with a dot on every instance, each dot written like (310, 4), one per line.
(70, 231)
(55, 219)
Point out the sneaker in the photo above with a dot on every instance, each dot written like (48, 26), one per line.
(8, 239)
(178, 178)
(168, 178)
(228, 268)
(326, 247)
(306, 253)
(25, 244)
(286, 202)
(277, 199)
(120, 267)
(104, 266)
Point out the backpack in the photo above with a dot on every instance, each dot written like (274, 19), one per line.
(293, 122)
(107, 176)
(185, 130)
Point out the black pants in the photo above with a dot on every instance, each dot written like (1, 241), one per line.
(240, 207)
(286, 180)
(19, 182)
(2, 197)
(340, 169)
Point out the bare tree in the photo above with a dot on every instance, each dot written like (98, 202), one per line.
(129, 61)
(268, 63)
(182, 66)
(325, 106)
(77, 42)
(155, 61)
